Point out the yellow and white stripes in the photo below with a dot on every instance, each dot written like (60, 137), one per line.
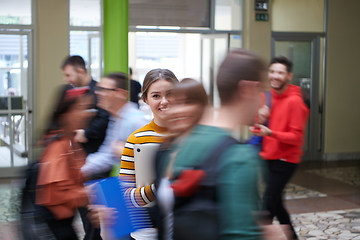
(150, 133)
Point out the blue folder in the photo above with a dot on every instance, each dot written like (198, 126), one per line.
(110, 193)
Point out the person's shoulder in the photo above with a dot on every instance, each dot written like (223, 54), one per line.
(56, 147)
(146, 127)
(134, 136)
(241, 154)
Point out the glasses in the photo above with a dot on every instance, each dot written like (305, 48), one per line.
(100, 89)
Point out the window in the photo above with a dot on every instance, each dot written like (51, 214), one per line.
(85, 13)
(15, 12)
(85, 34)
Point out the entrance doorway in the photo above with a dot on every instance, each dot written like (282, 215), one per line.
(305, 49)
(214, 47)
(15, 114)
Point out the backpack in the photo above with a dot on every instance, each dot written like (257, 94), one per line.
(33, 217)
(196, 216)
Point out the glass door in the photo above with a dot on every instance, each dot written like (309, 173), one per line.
(304, 51)
(213, 50)
(94, 53)
(87, 44)
(14, 103)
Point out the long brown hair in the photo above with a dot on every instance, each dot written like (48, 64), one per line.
(155, 75)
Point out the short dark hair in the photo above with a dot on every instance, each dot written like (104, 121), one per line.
(130, 70)
(283, 60)
(238, 65)
(76, 61)
(120, 79)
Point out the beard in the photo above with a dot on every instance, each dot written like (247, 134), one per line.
(279, 87)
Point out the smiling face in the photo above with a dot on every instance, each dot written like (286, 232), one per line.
(279, 77)
(158, 99)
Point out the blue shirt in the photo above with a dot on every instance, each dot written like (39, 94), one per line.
(128, 119)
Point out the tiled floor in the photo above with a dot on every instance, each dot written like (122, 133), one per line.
(323, 199)
(348, 175)
(328, 225)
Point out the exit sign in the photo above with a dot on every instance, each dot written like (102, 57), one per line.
(261, 16)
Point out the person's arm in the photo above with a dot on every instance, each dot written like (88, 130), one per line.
(139, 196)
(102, 160)
(237, 194)
(98, 125)
(296, 127)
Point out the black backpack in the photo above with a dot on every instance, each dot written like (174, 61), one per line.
(33, 217)
(196, 217)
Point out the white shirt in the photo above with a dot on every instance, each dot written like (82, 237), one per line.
(129, 118)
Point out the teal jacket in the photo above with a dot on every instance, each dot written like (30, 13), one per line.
(237, 184)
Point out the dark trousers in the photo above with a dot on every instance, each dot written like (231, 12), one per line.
(63, 229)
(91, 233)
(278, 175)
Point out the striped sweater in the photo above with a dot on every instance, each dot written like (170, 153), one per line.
(150, 133)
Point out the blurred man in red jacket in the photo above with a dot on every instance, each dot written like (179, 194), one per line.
(283, 137)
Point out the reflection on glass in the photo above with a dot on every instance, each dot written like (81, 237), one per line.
(228, 15)
(5, 153)
(235, 41)
(15, 12)
(13, 134)
(300, 54)
(206, 64)
(79, 45)
(13, 96)
(13, 65)
(85, 13)
(179, 52)
(95, 60)
(157, 50)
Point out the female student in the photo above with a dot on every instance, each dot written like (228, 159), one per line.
(156, 91)
(60, 182)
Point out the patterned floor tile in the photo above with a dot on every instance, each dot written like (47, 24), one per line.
(293, 191)
(348, 175)
(327, 225)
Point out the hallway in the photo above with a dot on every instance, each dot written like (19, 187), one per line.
(323, 199)
(327, 205)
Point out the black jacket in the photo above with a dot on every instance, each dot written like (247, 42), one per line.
(96, 131)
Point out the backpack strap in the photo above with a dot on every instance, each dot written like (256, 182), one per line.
(268, 98)
(210, 165)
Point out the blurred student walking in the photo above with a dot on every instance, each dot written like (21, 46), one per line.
(60, 182)
(283, 138)
(214, 179)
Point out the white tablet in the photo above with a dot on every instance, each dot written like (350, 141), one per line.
(144, 159)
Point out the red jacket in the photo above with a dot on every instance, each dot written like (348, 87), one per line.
(288, 118)
(60, 183)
